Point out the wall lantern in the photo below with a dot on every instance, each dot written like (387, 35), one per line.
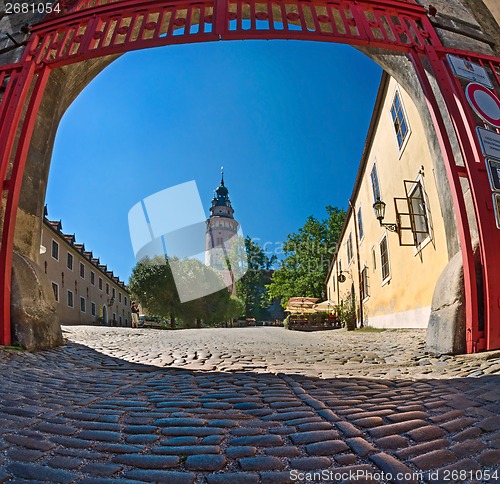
(379, 208)
(342, 276)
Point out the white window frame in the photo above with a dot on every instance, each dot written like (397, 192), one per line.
(428, 239)
(72, 305)
(93, 308)
(92, 278)
(361, 227)
(349, 249)
(367, 292)
(397, 92)
(375, 165)
(54, 242)
(80, 270)
(56, 295)
(389, 277)
(84, 310)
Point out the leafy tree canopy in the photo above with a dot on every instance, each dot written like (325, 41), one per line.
(307, 257)
(251, 288)
(152, 282)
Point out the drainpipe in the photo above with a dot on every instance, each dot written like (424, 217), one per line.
(336, 282)
(355, 215)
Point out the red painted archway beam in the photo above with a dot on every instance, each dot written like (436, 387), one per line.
(94, 28)
(129, 25)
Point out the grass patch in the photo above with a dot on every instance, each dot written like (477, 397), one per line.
(16, 346)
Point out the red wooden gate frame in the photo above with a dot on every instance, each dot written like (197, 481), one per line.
(95, 28)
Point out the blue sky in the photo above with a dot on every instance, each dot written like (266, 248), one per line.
(287, 119)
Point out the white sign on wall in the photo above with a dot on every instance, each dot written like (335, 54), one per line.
(468, 70)
(490, 142)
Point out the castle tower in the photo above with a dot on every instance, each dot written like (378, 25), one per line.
(221, 227)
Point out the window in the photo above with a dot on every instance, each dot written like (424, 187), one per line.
(92, 308)
(375, 183)
(70, 299)
(82, 270)
(364, 283)
(125, 300)
(69, 261)
(113, 293)
(55, 250)
(399, 120)
(384, 259)
(55, 288)
(82, 304)
(92, 278)
(360, 224)
(100, 283)
(418, 210)
(349, 249)
(107, 288)
(119, 297)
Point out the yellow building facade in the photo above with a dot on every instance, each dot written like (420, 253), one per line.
(390, 275)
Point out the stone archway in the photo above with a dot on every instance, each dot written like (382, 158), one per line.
(65, 52)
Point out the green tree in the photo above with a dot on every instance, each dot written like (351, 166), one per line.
(307, 257)
(251, 288)
(235, 308)
(153, 285)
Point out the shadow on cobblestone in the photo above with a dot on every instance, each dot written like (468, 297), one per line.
(76, 415)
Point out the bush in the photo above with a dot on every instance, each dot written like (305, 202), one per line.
(346, 312)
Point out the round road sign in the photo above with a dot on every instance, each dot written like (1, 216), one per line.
(484, 103)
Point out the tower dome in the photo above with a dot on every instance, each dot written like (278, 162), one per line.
(221, 205)
(221, 191)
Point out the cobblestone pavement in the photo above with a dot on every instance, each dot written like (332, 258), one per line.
(250, 405)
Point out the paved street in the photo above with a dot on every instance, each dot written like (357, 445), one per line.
(249, 405)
